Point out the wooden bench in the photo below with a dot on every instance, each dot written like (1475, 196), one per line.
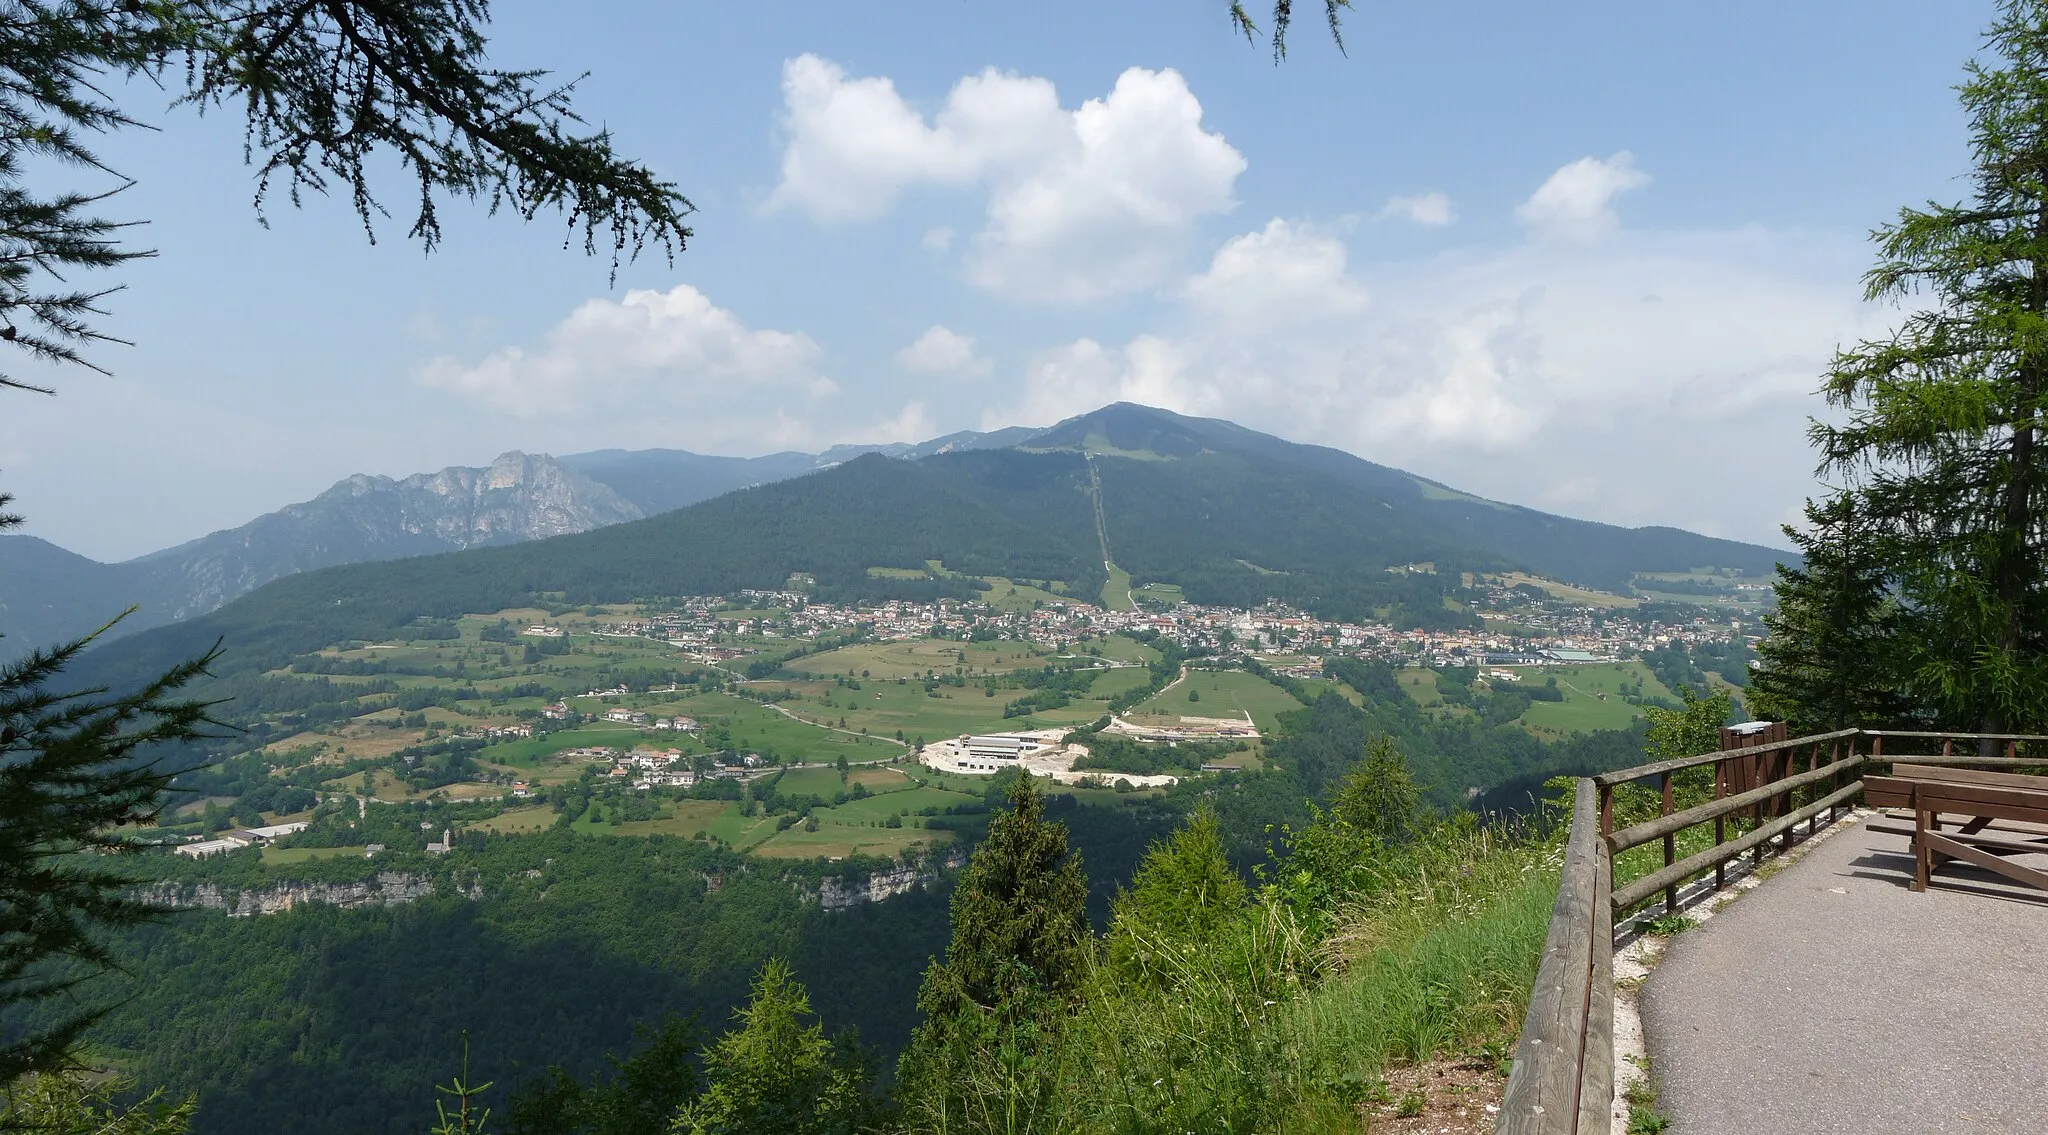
(2005, 814)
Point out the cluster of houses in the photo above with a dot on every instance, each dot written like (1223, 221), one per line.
(495, 732)
(1569, 633)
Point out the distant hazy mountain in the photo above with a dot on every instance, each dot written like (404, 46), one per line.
(49, 594)
(660, 480)
(1231, 516)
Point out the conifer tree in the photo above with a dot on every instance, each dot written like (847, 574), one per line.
(1184, 891)
(778, 1075)
(1833, 657)
(330, 90)
(1379, 796)
(1941, 434)
(980, 1060)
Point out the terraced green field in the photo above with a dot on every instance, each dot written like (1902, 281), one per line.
(1593, 698)
(1223, 693)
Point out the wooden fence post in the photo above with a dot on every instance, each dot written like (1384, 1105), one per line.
(1720, 822)
(1670, 847)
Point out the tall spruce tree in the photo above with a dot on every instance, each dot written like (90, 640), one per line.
(777, 1074)
(980, 1060)
(1942, 420)
(1834, 657)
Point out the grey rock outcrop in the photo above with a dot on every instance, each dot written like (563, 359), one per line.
(389, 888)
(54, 594)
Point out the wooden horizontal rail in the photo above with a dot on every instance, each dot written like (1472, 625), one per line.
(1624, 776)
(1640, 889)
(1567, 1042)
(1563, 1078)
(1637, 835)
(1946, 736)
(1958, 762)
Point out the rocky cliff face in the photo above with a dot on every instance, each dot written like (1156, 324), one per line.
(54, 594)
(517, 497)
(389, 888)
(845, 894)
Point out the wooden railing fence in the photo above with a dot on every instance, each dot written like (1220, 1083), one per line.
(1563, 1077)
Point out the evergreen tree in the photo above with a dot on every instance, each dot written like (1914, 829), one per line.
(777, 1075)
(330, 91)
(1941, 429)
(1833, 657)
(640, 1096)
(1184, 891)
(74, 1104)
(74, 768)
(982, 1060)
(1379, 796)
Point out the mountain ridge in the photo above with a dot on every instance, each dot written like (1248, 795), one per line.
(1151, 455)
(1228, 522)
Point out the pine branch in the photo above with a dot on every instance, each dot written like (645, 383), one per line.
(75, 768)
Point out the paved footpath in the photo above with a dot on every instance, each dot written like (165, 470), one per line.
(1834, 999)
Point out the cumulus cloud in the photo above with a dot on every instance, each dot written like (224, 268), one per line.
(1577, 202)
(1431, 210)
(912, 424)
(941, 350)
(1654, 377)
(651, 351)
(1081, 204)
(1285, 275)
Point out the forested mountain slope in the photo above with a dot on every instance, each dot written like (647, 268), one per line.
(1231, 516)
(1421, 515)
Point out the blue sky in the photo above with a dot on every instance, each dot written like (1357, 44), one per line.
(1588, 257)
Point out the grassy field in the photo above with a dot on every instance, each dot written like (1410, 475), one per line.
(917, 657)
(832, 841)
(1593, 698)
(739, 831)
(533, 819)
(1569, 593)
(384, 786)
(1224, 693)
(1121, 680)
(1116, 591)
(687, 818)
(813, 781)
(753, 726)
(530, 751)
(1160, 594)
(1010, 595)
(1315, 687)
(885, 707)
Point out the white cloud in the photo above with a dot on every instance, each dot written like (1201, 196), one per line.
(1085, 375)
(1431, 210)
(941, 350)
(652, 353)
(1081, 204)
(912, 424)
(1655, 377)
(854, 144)
(1577, 202)
(1283, 275)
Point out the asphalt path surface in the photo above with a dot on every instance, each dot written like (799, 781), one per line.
(1834, 999)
